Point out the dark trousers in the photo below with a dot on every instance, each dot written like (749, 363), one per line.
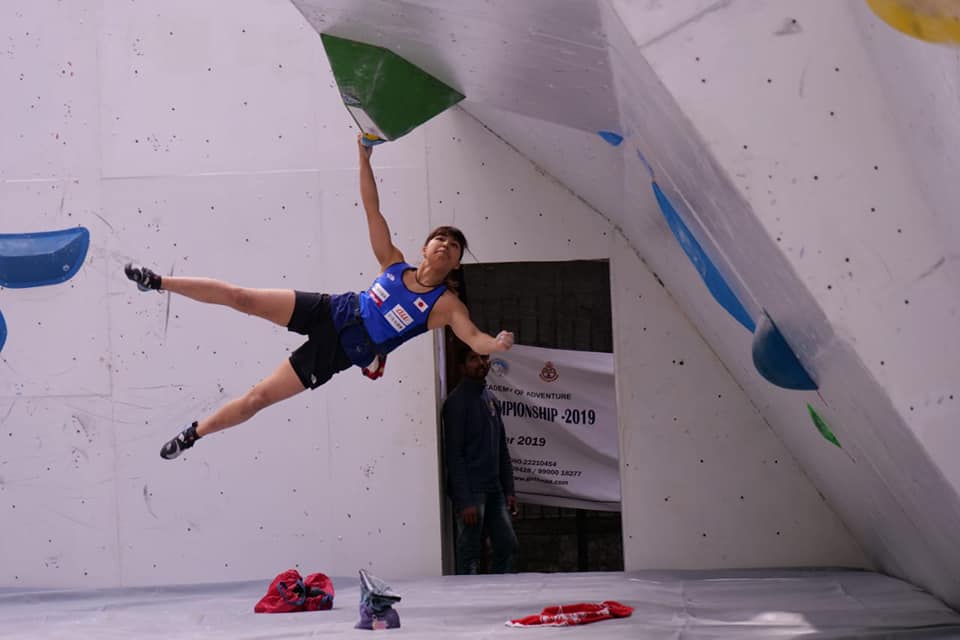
(492, 512)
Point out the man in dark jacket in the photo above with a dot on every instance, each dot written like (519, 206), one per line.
(479, 472)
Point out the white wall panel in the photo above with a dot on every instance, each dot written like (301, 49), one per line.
(50, 108)
(58, 492)
(240, 505)
(705, 482)
(921, 88)
(794, 166)
(832, 187)
(507, 207)
(383, 467)
(565, 154)
(211, 87)
(257, 231)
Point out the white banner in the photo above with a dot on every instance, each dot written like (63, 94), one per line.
(559, 410)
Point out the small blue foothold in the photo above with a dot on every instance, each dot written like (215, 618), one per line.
(613, 138)
(3, 331)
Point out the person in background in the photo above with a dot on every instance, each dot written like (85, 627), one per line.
(479, 471)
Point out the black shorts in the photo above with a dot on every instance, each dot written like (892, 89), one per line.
(321, 356)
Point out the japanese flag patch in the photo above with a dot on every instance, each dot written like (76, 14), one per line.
(420, 304)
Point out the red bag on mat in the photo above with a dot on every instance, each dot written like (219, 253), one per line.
(571, 614)
(290, 592)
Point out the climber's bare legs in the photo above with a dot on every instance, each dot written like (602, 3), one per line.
(275, 305)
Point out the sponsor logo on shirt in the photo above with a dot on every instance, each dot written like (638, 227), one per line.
(378, 293)
(390, 277)
(403, 315)
(420, 304)
(398, 318)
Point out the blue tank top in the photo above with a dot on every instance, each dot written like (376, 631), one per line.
(391, 313)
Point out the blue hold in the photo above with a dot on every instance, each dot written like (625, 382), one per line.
(708, 271)
(776, 361)
(613, 138)
(42, 258)
(3, 331)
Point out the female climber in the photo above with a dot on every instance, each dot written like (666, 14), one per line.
(342, 329)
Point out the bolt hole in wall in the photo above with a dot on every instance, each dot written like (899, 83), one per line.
(554, 305)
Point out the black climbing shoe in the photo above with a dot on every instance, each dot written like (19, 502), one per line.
(184, 440)
(146, 280)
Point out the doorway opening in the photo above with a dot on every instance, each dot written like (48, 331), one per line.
(553, 305)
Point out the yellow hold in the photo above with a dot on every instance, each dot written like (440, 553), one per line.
(370, 139)
(930, 20)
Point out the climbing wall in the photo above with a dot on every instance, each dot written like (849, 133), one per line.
(819, 210)
(219, 144)
(807, 151)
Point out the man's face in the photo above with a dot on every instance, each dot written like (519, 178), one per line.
(476, 366)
